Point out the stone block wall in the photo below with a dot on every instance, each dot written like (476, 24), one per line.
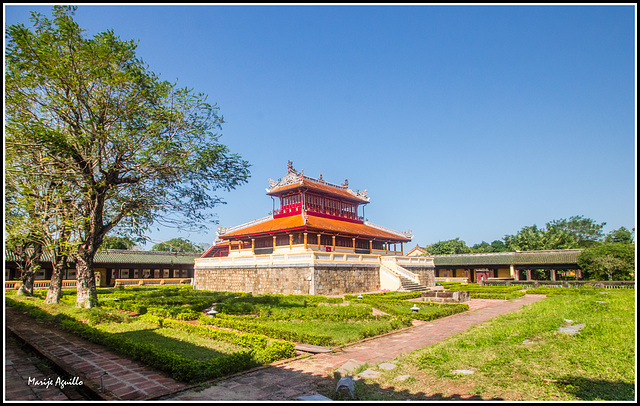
(426, 274)
(340, 280)
(286, 280)
(323, 280)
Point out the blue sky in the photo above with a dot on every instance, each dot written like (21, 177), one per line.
(465, 122)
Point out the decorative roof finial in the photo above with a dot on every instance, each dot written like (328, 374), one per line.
(346, 183)
(290, 167)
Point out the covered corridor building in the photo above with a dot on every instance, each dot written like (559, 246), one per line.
(518, 266)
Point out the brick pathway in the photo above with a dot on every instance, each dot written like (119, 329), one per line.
(20, 366)
(308, 376)
(130, 380)
(126, 379)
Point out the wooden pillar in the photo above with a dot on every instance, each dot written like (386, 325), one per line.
(370, 246)
(395, 248)
(552, 274)
(253, 246)
(239, 246)
(333, 243)
(401, 248)
(579, 274)
(274, 242)
(319, 242)
(516, 274)
(290, 241)
(512, 272)
(354, 245)
(528, 274)
(305, 241)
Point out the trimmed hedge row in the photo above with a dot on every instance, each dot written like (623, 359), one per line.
(333, 313)
(474, 287)
(386, 295)
(502, 296)
(561, 291)
(445, 309)
(389, 303)
(265, 349)
(273, 332)
(261, 349)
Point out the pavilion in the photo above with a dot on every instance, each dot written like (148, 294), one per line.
(315, 242)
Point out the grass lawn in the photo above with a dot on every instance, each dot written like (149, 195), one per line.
(186, 344)
(523, 355)
(341, 332)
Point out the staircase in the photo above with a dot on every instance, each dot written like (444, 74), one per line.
(411, 286)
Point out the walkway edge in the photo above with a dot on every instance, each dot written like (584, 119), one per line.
(87, 383)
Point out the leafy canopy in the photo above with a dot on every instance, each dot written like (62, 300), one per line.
(176, 245)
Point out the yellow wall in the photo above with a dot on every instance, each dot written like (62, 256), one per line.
(503, 273)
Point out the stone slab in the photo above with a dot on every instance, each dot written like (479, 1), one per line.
(369, 374)
(316, 397)
(315, 349)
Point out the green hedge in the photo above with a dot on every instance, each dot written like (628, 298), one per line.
(333, 313)
(245, 326)
(402, 308)
(386, 295)
(259, 348)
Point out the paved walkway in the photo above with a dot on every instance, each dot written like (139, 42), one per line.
(311, 375)
(20, 366)
(84, 361)
(130, 380)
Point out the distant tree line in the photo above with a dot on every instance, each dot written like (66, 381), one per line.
(172, 245)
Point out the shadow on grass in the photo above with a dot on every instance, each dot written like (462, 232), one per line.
(597, 389)
(176, 345)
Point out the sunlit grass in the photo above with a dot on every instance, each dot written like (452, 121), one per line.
(523, 356)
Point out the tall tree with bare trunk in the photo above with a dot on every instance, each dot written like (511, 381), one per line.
(134, 150)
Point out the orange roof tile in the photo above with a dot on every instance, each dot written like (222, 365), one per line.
(321, 187)
(315, 224)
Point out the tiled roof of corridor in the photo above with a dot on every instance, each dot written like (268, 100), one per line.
(129, 257)
(509, 258)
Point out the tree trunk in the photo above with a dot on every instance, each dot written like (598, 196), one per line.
(55, 286)
(29, 268)
(26, 288)
(87, 296)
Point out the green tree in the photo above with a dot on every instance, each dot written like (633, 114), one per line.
(117, 243)
(37, 218)
(529, 238)
(621, 235)
(136, 149)
(608, 262)
(176, 245)
(482, 247)
(454, 246)
(585, 231)
(498, 246)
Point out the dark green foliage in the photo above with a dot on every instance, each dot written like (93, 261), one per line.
(176, 245)
(273, 332)
(608, 262)
(485, 292)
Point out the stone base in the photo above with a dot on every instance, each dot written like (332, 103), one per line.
(324, 280)
(446, 296)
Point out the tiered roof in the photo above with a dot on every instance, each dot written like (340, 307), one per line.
(311, 224)
(310, 221)
(294, 181)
